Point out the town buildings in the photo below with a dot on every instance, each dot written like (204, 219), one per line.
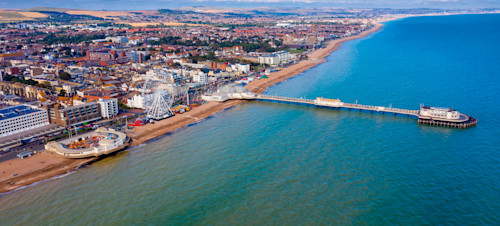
(140, 100)
(21, 118)
(275, 58)
(74, 115)
(109, 107)
(200, 77)
(79, 72)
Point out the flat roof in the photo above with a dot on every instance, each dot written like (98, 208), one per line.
(15, 111)
(79, 106)
(438, 108)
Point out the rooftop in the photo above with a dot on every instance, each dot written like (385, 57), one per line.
(15, 111)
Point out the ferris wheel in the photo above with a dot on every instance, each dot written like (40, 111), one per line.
(157, 98)
(160, 105)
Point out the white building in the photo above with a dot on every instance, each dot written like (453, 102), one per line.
(118, 39)
(215, 97)
(137, 56)
(283, 56)
(245, 68)
(143, 101)
(139, 101)
(109, 107)
(439, 113)
(328, 102)
(166, 75)
(268, 59)
(175, 89)
(21, 118)
(176, 55)
(275, 58)
(70, 89)
(200, 77)
(48, 57)
(134, 41)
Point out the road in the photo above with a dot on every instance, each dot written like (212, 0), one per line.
(11, 154)
(36, 145)
(195, 95)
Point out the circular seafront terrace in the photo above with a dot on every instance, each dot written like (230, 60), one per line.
(100, 142)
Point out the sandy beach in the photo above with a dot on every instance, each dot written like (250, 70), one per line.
(145, 133)
(314, 58)
(16, 173)
(21, 172)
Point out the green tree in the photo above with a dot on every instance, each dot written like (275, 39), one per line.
(62, 93)
(64, 75)
(45, 85)
(211, 55)
(123, 106)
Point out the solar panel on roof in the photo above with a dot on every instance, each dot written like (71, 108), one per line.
(15, 111)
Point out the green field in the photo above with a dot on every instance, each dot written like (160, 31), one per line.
(45, 9)
(12, 17)
(295, 50)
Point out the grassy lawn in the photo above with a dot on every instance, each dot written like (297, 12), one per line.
(295, 50)
(12, 17)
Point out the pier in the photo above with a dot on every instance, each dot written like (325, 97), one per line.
(321, 102)
(433, 116)
(284, 99)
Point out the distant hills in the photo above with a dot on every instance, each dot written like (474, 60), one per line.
(45, 14)
(45, 9)
(150, 17)
(59, 14)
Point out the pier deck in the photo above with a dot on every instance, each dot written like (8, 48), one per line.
(342, 105)
(464, 121)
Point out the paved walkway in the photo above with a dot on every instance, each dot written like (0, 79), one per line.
(12, 139)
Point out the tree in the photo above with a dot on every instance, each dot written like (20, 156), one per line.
(62, 93)
(175, 65)
(123, 106)
(64, 75)
(11, 78)
(211, 56)
(45, 85)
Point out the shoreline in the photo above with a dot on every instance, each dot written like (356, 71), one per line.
(39, 167)
(149, 132)
(315, 58)
(43, 166)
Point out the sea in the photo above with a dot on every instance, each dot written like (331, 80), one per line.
(266, 163)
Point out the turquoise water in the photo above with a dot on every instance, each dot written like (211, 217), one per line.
(271, 163)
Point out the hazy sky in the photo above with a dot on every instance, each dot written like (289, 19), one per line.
(158, 4)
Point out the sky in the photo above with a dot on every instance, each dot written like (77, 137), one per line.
(170, 4)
